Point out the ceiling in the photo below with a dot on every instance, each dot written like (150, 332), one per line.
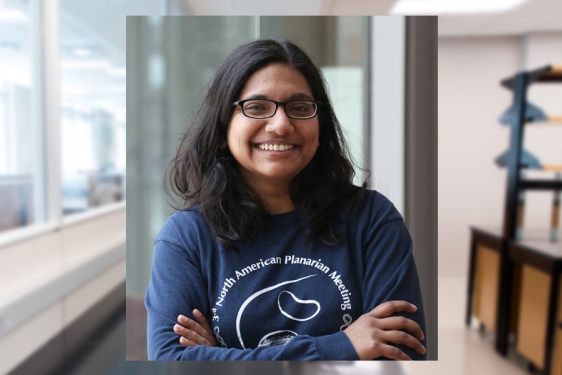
(533, 16)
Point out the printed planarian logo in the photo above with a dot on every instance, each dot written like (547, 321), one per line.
(284, 299)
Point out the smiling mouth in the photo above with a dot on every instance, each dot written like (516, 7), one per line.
(274, 147)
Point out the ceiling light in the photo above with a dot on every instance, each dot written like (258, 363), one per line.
(436, 7)
(12, 16)
(94, 64)
(117, 71)
(81, 51)
(72, 91)
(114, 89)
(19, 73)
(91, 64)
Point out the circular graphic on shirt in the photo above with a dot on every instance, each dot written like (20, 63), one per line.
(294, 301)
(277, 338)
(283, 336)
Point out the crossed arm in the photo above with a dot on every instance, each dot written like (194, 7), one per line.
(389, 328)
(370, 335)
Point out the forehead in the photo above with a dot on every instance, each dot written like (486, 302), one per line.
(276, 78)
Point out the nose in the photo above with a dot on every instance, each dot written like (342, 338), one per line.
(280, 124)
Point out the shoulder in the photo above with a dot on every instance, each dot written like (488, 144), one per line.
(184, 227)
(376, 209)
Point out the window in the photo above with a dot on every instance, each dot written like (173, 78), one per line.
(21, 199)
(92, 117)
(339, 46)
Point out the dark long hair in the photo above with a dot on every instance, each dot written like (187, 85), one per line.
(205, 173)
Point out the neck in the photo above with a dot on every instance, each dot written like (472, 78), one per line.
(275, 195)
(278, 204)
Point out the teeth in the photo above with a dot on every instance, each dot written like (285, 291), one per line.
(276, 147)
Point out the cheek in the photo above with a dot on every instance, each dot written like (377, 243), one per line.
(232, 135)
(229, 136)
(315, 136)
(238, 136)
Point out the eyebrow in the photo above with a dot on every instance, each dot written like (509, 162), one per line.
(296, 96)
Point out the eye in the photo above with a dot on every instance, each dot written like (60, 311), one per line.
(258, 108)
(255, 105)
(301, 107)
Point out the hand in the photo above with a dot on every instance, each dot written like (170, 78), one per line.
(194, 333)
(373, 331)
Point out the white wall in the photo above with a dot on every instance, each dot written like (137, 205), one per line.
(471, 187)
(48, 281)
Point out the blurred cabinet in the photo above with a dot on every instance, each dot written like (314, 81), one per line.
(487, 286)
(532, 326)
(540, 300)
(514, 280)
(557, 363)
(485, 278)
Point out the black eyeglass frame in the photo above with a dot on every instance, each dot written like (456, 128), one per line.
(317, 104)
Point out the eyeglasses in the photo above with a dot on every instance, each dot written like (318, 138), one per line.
(265, 108)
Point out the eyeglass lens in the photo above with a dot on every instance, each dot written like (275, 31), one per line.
(265, 108)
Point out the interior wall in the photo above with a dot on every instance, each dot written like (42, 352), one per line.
(471, 187)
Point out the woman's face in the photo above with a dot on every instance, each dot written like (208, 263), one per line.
(249, 138)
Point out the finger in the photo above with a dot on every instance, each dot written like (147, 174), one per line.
(392, 352)
(205, 324)
(400, 323)
(193, 325)
(188, 334)
(185, 342)
(402, 338)
(388, 308)
(191, 335)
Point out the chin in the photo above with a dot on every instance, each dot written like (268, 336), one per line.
(280, 176)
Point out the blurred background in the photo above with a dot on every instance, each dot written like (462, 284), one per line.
(63, 147)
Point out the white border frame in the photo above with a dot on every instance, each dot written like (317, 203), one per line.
(387, 100)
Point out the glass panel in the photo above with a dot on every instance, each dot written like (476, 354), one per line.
(339, 46)
(18, 167)
(92, 114)
(170, 60)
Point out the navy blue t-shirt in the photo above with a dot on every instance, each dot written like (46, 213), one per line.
(280, 296)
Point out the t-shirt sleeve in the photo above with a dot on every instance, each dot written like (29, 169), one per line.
(177, 287)
(390, 270)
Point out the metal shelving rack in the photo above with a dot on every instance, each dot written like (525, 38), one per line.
(520, 114)
(519, 84)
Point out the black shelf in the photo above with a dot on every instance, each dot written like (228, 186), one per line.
(541, 184)
(548, 73)
(519, 113)
(505, 241)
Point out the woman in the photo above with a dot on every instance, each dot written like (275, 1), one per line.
(275, 255)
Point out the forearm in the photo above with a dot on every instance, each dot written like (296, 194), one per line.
(392, 276)
(301, 348)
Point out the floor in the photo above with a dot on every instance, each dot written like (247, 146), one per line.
(462, 351)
